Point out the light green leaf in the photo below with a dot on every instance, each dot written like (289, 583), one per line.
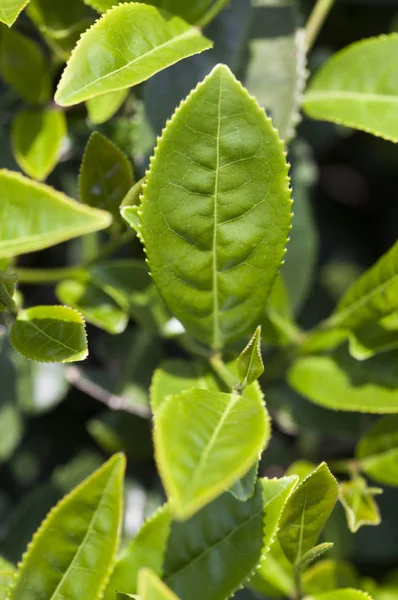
(301, 468)
(313, 554)
(245, 487)
(6, 579)
(106, 174)
(214, 565)
(250, 362)
(35, 216)
(372, 296)
(217, 197)
(275, 576)
(204, 442)
(10, 9)
(346, 594)
(355, 88)
(327, 575)
(8, 282)
(132, 198)
(130, 215)
(146, 550)
(306, 513)
(129, 44)
(150, 587)
(276, 72)
(37, 137)
(75, 546)
(341, 383)
(6, 565)
(101, 108)
(377, 451)
(23, 67)
(96, 306)
(190, 11)
(277, 323)
(359, 504)
(375, 337)
(50, 334)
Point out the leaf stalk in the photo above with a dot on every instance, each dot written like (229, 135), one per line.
(316, 21)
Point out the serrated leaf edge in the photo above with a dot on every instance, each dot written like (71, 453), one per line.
(11, 22)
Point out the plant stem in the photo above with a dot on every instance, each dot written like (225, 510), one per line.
(316, 21)
(298, 584)
(221, 369)
(212, 12)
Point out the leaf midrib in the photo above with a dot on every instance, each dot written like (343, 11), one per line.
(48, 336)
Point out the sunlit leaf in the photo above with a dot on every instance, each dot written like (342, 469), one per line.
(346, 594)
(359, 504)
(150, 587)
(35, 216)
(217, 197)
(377, 451)
(129, 44)
(327, 575)
(355, 87)
(101, 108)
(10, 9)
(374, 337)
(50, 334)
(250, 363)
(190, 11)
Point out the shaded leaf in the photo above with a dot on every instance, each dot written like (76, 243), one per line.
(150, 587)
(10, 9)
(216, 195)
(37, 137)
(354, 88)
(106, 174)
(131, 216)
(306, 513)
(35, 216)
(23, 67)
(250, 362)
(328, 575)
(80, 536)
(8, 282)
(190, 12)
(101, 108)
(230, 432)
(275, 575)
(50, 334)
(129, 44)
(372, 338)
(377, 451)
(359, 504)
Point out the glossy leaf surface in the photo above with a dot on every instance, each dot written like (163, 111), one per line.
(80, 535)
(306, 513)
(128, 45)
(35, 216)
(37, 137)
(150, 587)
(106, 174)
(377, 451)
(102, 108)
(10, 9)
(250, 363)
(198, 462)
(359, 504)
(217, 197)
(227, 531)
(50, 334)
(355, 88)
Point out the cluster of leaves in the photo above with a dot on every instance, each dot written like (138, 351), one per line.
(213, 214)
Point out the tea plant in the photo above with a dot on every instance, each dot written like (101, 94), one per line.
(213, 213)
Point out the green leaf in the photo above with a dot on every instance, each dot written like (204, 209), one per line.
(10, 9)
(106, 174)
(8, 282)
(50, 334)
(217, 196)
(131, 216)
(35, 216)
(23, 67)
(101, 108)
(372, 296)
(75, 546)
(245, 487)
(301, 468)
(277, 323)
(275, 575)
(339, 382)
(37, 137)
(313, 555)
(6, 579)
(359, 505)
(377, 451)
(11, 430)
(375, 337)
(96, 306)
(250, 362)
(146, 550)
(150, 587)
(306, 513)
(346, 594)
(277, 73)
(214, 565)
(355, 88)
(190, 11)
(327, 575)
(197, 462)
(129, 44)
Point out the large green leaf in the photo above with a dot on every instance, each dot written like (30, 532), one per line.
(341, 383)
(370, 298)
(75, 546)
(276, 72)
(327, 575)
(146, 550)
(150, 587)
(101, 108)
(205, 441)
(375, 337)
(24, 68)
(190, 11)
(37, 137)
(306, 513)
(10, 9)
(275, 576)
(359, 504)
(356, 88)
(50, 334)
(128, 45)
(217, 197)
(377, 451)
(346, 594)
(35, 216)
